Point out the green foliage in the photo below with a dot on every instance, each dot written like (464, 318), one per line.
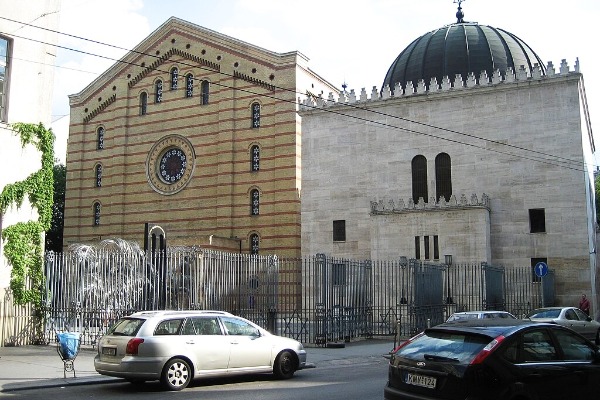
(54, 236)
(23, 248)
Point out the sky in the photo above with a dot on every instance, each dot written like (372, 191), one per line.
(347, 41)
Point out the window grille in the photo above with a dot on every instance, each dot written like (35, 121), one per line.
(159, 91)
(189, 85)
(255, 158)
(254, 243)
(255, 115)
(254, 202)
(174, 78)
(96, 214)
(100, 138)
(98, 175)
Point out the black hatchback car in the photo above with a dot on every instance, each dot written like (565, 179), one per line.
(494, 359)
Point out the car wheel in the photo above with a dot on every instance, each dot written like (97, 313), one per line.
(285, 365)
(176, 374)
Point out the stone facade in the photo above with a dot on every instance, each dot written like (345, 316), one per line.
(205, 194)
(519, 144)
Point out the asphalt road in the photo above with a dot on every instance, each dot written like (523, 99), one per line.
(348, 379)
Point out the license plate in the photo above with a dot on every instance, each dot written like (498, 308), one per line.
(109, 351)
(420, 380)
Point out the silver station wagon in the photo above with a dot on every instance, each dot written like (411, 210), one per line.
(178, 346)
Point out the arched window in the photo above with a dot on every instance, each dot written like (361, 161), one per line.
(254, 202)
(100, 137)
(98, 175)
(254, 158)
(143, 103)
(159, 89)
(189, 85)
(174, 77)
(255, 115)
(96, 214)
(443, 176)
(204, 88)
(254, 243)
(419, 178)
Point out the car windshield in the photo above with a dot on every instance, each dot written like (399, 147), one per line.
(544, 314)
(126, 327)
(445, 346)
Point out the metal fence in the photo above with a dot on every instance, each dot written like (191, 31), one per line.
(317, 300)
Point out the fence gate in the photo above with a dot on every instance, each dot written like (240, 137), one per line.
(428, 294)
(342, 290)
(494, 287)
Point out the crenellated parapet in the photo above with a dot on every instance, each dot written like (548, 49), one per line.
(389, 206)
(434, 86)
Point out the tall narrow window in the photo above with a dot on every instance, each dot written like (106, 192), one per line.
(204, 88)
(143, 103)
(254, 158)
(174, 78)
(339, 231)
(254, 202)
(100, 138)
(426, 245)
(96, 214)
(98, 175)
(255, 115)
(537, 220)
(436, 248)
(417, 247)
(254, 243)
(159, 91)
(5, 49)
(189, 85)
(419, 178)
(443, 176)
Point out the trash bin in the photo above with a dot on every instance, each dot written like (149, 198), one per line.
(67, 346)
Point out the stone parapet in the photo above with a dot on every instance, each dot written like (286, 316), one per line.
(312, 101)
(389, 206)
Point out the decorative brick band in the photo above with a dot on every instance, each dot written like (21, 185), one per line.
(212, 65)
(100, 108)
(255, 81)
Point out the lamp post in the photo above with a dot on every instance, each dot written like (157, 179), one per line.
(448, 262)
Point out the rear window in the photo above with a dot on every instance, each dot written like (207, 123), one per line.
(544, 314)
(445, 346)
(126, 327)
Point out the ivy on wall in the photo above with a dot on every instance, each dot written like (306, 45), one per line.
(24, 245)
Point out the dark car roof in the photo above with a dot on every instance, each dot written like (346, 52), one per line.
(487, 327)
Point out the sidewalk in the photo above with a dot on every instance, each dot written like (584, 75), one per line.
(31, 367)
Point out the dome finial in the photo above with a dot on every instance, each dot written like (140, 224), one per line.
(459, 14)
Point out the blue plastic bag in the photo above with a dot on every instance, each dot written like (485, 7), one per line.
(69, 344)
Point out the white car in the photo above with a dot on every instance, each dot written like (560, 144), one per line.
(468, 315)
(571, 317)
(177, 346)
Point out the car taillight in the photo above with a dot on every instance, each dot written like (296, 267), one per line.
(401, 345)
(133, 346)
(487, 350)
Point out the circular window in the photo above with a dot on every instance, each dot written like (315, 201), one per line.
(170, 164)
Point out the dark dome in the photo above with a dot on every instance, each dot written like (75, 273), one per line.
(460, 48)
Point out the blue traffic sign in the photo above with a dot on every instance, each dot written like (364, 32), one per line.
(541, 269)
